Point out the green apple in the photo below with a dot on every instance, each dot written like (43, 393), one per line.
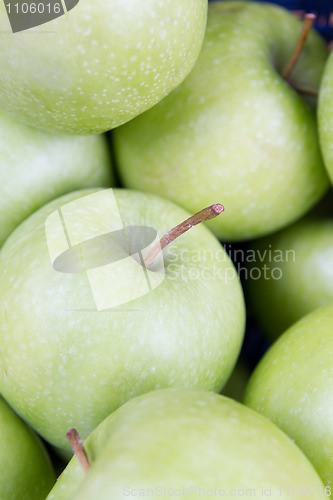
(192, 443)
(325, 116)
(235, 129)
(293, 387)
(290, 274)
(76, 345)
(99, 65)
(26, 470)
(36, 167)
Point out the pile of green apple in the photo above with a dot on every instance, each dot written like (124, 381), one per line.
(118, 122)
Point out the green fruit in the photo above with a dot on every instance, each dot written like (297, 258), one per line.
(26, 470)
(235, 130)
(191, 443)
(99, 65)
(36, 167)
(291, 274)
(293, 387)
(325, 116)
(76, 345)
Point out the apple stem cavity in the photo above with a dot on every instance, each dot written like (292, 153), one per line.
(202, 216)
(308, 21)
(78, 448)
(305, 90)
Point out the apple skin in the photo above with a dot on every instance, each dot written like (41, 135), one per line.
(293, 387)
(99, 65)
(37, 167)
(301, 259)
(63, 364)
(177, 439)
(234, 129)
(27, 472)
(325, 115)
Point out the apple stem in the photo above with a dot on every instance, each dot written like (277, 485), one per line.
(308, 21)
(78, 448)
(202, 216)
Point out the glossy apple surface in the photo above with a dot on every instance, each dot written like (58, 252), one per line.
(293, 387)
(235, 129)
(325, 116)
(68, 358)
(99, 65)
(193, 443)
(291, 274)
(36, 167)
(26, 470)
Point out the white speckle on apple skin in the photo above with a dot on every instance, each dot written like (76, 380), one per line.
(76, 51)
(293, 387)
(251, 130)
(50, 321)
(43, 167)
(175, 438)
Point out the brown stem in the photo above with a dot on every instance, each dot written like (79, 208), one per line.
(308, 21)
(78, 448)
(202, 216)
